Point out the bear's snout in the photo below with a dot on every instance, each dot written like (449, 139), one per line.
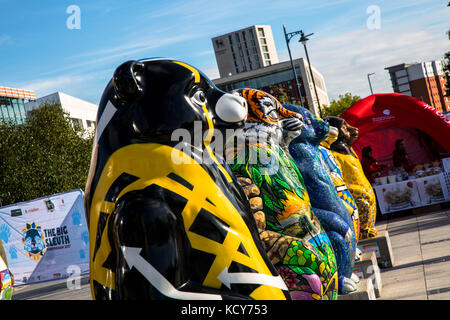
(231, 108)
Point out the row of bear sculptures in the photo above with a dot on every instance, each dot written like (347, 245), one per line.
(194, 193)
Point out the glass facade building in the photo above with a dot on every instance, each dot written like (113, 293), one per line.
(280, 76)
(275, 78)
(12, 104)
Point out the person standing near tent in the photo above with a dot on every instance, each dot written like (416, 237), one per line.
(372, 169)
(400, 156)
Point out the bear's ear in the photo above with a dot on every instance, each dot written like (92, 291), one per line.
(127, 81)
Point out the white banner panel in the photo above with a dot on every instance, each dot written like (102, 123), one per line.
(46, 238)
(413, 193)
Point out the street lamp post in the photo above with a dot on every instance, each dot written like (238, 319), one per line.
(288, 37)
(368, 78)
(303, 40)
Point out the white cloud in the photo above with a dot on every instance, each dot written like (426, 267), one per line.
(212, 73)
(345, 59)
(80, 85)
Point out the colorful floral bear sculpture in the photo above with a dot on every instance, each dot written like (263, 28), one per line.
(354, 177)
(167, 218)
(334, 169)
(292, 235)
(325, 201)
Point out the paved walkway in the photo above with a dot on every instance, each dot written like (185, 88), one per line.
(54, 290)
(421, 249)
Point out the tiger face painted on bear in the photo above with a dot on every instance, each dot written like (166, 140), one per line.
(166, 229)
(268, 120)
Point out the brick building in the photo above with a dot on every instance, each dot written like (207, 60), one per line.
(425, 81)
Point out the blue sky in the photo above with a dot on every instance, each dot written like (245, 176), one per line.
(39, 52)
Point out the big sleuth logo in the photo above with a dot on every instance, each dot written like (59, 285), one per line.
(57, 237)
(33, 241)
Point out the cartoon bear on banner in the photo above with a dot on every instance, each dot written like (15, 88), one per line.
(167, 218)
(335, 172)
(292, 235)
(354, 177)
(327, 205)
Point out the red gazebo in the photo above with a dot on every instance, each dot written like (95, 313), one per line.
(383, 118)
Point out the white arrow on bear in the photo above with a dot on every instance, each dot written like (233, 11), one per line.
(134, 259)
(251, 278)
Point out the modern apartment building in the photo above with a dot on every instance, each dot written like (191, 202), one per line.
(83, 114)
(423, 80)
(281, 75)
(245, 50)
(12, 104)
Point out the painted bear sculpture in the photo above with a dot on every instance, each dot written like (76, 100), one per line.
(327, 205)
(292, 235)
(354, 177)
(167, 218)
(334, 169)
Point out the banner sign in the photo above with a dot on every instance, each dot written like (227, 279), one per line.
(413, 193)
(46, 238)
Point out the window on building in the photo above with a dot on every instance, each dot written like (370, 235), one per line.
(237, 37)
(268, 63)
(77, 123)
(266, 56)
(265, 49)
(261, 32)
(263, 41)
(251, 34)
(243, 36)
(90, 123)
(237, 69)
(230, 39)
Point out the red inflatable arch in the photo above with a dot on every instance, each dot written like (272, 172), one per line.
(383, 118)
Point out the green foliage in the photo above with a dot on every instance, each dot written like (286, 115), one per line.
(282, 96)
(44, 156)
(337, 107)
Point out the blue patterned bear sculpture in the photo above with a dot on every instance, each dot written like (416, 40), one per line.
(327, 205)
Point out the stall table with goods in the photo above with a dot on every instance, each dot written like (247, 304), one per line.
(429, 185)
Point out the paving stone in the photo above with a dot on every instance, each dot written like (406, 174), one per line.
(437, 277)
(435, 250)
(404, 283)
(421, 248)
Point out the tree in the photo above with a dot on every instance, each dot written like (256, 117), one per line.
(282, 95)
(44, 156)
(337, 107)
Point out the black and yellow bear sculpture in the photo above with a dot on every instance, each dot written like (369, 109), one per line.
(167, 219)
